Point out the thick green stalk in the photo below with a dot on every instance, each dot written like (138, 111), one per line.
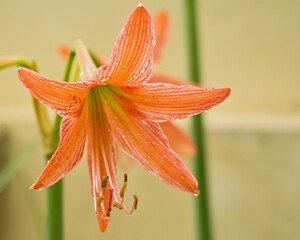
(204, 230)
(55, 210)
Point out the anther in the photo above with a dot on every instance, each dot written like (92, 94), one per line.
(125, 177)
(104, 181)
(135, 203)
(117, 205)
(123, 189)
(122, 192)
(99, 201)
(120, 205)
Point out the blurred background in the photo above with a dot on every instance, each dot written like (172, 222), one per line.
(253, 137)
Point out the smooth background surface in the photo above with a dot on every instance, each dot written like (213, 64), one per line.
(253, 137)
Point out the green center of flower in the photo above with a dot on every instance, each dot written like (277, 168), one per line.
(103, 94)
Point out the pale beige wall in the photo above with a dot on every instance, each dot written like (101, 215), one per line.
(253, 138)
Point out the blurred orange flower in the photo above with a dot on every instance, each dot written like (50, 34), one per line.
(115, 105)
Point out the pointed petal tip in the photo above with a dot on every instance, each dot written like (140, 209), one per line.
(223, 93)
(79, 43)
(102, 223)
(196, 193)
(194, 187)
(35, 186)
(103, 228)
(20, 69)
(142, 7)
(227, 92)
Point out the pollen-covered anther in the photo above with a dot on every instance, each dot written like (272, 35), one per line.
(104, 181)
(135, 203)
(123, 189)
(99, 201)
(118, 205)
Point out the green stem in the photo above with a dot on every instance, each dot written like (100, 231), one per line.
(54, 193)
(204, 229)
(55, 211)
(56, 127)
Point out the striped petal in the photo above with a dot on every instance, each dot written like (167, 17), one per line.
(86, 64)
(101, 160)
(131, 61)
(163, 102)
(68, 154)
(146, 142)
(179, 141)
(161, 23)
(66, 99)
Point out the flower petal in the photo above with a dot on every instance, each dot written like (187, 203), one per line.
(161, 23)
(131, 61)
(101, 159)
(87, 65)
(66, 99)
(146, 142)
(68, 154)
(179, 141)
(124, 161)
(162, 102)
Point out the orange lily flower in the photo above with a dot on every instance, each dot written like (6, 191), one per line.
(179, 141)
(115, 105)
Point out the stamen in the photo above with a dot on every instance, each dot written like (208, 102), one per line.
(135, 203)
(110, 203)
(125, 177)
(118, 205)
(123, 189)
(99, 201)
(104, 181)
